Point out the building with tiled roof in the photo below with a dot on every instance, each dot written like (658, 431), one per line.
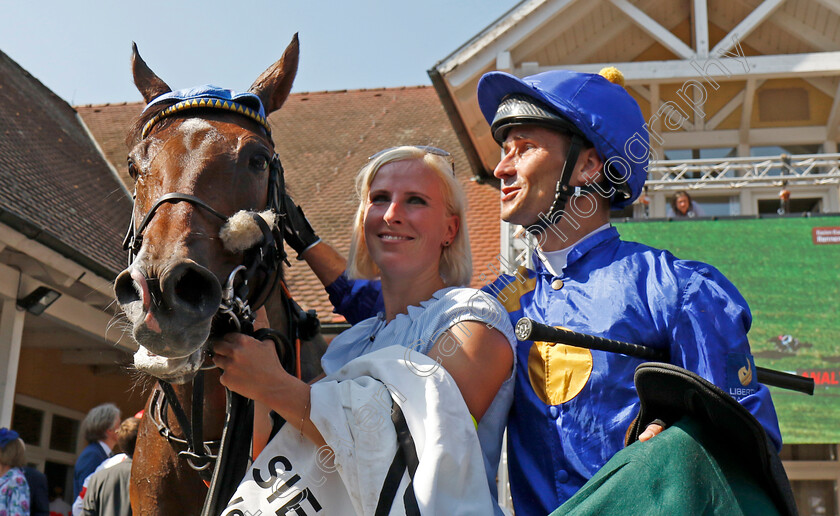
(323, 139)
(68, 194)
(63, 212)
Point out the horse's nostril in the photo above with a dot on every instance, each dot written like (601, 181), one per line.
(125, 289)
(193, 288)
(190, 287)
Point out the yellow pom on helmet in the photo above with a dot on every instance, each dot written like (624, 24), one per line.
(612, 74)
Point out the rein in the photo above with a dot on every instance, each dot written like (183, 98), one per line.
(238, 304)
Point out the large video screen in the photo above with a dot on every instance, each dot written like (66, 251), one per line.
(788, 270)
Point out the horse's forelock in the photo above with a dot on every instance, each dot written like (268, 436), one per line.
(136, 130)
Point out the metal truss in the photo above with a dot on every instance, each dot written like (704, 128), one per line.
(808, 169)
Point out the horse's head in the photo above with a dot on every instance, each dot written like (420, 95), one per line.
(197, 157)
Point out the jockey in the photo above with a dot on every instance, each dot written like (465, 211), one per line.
(575, 146)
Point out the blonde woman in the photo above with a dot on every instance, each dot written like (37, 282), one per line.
(409, 232)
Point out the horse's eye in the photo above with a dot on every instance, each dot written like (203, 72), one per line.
(132, 169)
(258, 163)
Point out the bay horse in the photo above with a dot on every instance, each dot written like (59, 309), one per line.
(198, 157)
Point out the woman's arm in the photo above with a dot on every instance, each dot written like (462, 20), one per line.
(478, 358)
(325, 262)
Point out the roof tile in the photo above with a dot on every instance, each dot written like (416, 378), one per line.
(53, 178)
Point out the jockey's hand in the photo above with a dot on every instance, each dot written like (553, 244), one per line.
(297, 231)
(250, 367)
(652, 430)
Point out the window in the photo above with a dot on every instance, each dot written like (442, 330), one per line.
(28, 422)
(51, 434)
(776, 150)
(711, 153)
(716, 206)
(64, 434)
(710, 206)
(803, 205)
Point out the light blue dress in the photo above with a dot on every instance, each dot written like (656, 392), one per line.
(418, 330)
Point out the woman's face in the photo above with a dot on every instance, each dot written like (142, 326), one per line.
(683, 204)
(406, 221)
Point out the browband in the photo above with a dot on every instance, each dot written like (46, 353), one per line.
(207, 103)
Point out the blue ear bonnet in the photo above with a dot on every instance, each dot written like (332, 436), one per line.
(209, 97)
(208, 91)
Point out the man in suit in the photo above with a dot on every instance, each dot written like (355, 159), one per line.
(107, 492)
(100, 430)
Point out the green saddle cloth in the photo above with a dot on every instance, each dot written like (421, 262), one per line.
(685, 470)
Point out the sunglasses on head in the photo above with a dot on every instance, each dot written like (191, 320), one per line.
(428, 149)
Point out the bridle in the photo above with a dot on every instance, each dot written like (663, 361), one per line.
(240, 300)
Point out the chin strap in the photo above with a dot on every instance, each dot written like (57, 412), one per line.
(563, 190)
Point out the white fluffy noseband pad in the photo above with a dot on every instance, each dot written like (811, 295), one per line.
(241, 231)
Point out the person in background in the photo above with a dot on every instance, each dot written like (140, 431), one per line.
(100, 430)
(58, 507)
(107, 493)
(39, 500)
(14, 491)
(682, 206)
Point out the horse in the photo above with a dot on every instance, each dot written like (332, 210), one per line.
(198, 157)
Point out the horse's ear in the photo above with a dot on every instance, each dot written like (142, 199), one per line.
(150, 85)
(274, 85)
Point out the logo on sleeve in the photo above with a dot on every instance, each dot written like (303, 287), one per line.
(740, 375)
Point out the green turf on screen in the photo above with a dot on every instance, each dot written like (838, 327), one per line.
(792, 287)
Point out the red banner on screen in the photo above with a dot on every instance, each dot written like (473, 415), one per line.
(826, 235)
(826, 377)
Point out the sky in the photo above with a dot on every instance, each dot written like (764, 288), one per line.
(81, 49)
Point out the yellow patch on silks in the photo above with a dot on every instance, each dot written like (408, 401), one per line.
(521, 285)
(558, 372)
(241, 232)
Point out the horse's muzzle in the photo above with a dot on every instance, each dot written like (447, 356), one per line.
(172, 316)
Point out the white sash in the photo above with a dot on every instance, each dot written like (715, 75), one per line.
(352, 410)
(288, 478)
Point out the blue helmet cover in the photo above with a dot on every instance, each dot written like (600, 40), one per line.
(604, 112)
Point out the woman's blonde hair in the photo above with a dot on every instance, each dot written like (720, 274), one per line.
(13, 454)
(455, 260)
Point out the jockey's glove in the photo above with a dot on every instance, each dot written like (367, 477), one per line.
(297, 231)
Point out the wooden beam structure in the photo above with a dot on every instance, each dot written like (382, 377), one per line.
(654, 29)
